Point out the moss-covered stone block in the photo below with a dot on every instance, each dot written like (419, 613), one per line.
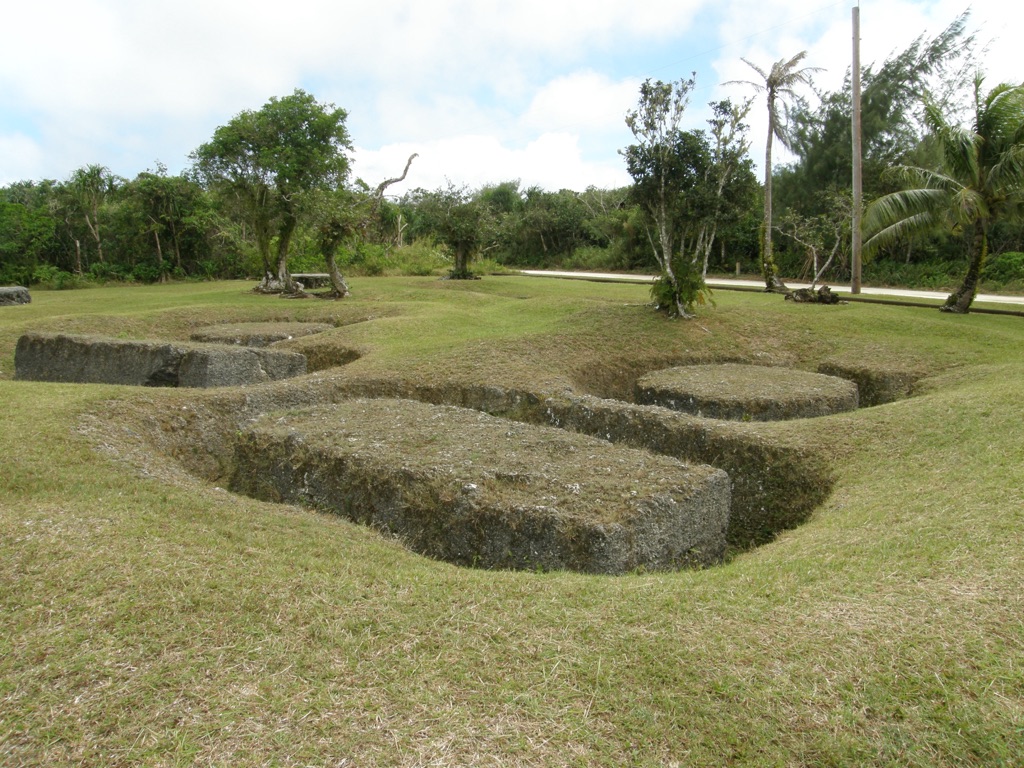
(747, 392)
(474, 489)
(101, 360)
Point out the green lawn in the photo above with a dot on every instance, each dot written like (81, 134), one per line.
(150, 618)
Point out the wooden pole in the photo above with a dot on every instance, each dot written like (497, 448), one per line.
(856, 245)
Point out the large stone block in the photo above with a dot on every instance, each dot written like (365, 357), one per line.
(257, 334)
(14, 294)
(746, 392)
(93, 359)
(475, 489)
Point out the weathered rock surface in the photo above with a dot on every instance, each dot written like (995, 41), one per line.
(93, 359)
(877, 383)
(475, 489)
(14, 294)
(257, 334)
(747, 392)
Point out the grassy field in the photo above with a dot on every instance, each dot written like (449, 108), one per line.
(148, 617)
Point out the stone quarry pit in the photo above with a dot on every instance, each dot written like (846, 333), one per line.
(482, 475)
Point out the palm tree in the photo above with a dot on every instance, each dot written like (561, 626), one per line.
(779, 82)
(980, 180)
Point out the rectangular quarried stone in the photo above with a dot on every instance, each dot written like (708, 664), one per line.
(100, 360)
(474, 489)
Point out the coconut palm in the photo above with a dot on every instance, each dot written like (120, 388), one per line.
(979, 180)
(779, 83)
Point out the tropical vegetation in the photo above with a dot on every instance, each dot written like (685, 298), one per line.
(270, 194)
(978, 182)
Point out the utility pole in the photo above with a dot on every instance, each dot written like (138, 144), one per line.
(855, 258)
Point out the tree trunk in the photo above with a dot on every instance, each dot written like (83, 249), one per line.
(461, 271)
(284, 238)
(159, 255)
(337, 279)
(768, 269)
(94, 230)
(961, 299)
(177, 245)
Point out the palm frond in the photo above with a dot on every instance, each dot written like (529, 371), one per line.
(902, 230)
(753, 66)
(907, 204)
(915, 177)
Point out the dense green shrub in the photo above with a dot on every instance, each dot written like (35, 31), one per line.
(54, 278)
(934, 275)
(1004, 271)
(421, 259)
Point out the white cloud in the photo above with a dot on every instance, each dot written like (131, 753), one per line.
(21, 155)
(585, 101)
(122, 82)
(552, 161)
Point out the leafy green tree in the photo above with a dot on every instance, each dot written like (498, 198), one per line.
(80, 200)
(27, 240)
(170, 216)
(778, 83)
(892, 120)
(454, 217)
(503, 199)
(729, 180)
(614, 223)
(978, 182)
(666, 165)
(270, 159)
(344, 215)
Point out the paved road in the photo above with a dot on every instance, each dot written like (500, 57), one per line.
(724, 283)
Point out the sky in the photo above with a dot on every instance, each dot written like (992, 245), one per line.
(484, 91)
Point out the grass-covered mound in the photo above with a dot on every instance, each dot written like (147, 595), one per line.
(150, 617)
(747, 392)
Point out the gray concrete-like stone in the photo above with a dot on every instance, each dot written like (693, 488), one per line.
(474, 489)
(92, 359)
(14, 294)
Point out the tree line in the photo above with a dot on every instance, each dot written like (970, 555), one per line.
(271, 194)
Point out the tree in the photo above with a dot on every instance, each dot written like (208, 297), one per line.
(457, 220)
(823, 233)
(728, 174)
(27, 238)
(978, 182)
(892, 120)
(80, 199)
(270, 159)
(342, 215)
(663, 165)
(779, 83)
(169, 214)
